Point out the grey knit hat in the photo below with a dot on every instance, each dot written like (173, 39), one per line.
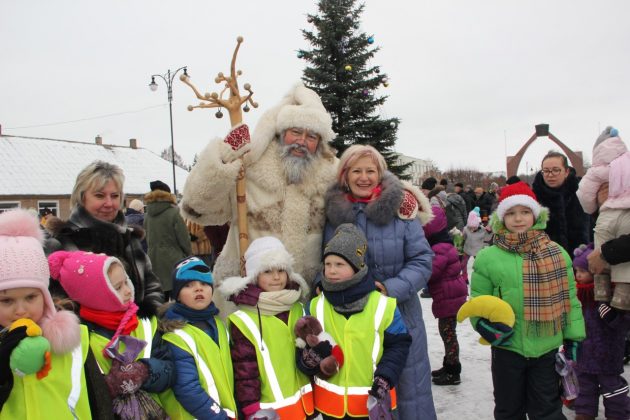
(348, 243)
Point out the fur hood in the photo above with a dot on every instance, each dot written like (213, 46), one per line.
(56, 227)
(394, 201)
(159, 195)
(278, 259)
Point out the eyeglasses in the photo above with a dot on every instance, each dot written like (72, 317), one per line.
(554, 171)
(309, 135)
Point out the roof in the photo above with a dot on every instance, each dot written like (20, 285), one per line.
(40, 166)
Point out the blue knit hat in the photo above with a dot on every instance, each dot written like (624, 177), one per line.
(187, 270)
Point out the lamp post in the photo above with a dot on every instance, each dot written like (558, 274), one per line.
(168, 79)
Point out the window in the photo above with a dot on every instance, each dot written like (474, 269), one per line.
(51, 205)
(8, 205)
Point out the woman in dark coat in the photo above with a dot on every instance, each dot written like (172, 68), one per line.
(399, 257)
(555, 186)
(97, 224)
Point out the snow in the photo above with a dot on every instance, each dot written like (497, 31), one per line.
(472, 399)
(36, 166)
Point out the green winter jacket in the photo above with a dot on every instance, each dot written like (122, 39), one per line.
(499, 273)
(168, 239)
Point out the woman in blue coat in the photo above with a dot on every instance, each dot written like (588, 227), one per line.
(399, 258)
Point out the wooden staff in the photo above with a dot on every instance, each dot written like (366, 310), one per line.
(233, 104)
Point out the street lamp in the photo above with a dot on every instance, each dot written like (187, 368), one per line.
(168, 79)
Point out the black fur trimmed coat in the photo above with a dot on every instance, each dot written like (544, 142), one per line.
(568, 225)
(85, 233)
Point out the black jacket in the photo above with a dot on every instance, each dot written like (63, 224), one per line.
(568, 225)
(617, 251)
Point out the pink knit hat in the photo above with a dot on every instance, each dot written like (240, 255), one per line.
(83, 275)
(23, 264)
(474, 220)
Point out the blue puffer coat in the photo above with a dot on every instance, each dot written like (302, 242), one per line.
(400, 258)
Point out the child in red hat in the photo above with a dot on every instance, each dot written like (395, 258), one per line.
(534, 276)
(105, 294)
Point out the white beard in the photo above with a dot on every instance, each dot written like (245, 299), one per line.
(295, 166)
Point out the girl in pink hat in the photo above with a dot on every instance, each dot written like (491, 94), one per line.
(105, 294)
(42, 350)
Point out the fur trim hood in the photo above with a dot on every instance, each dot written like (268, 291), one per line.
(274, 259)
(397, 199)
(56, 227)
(159, 195)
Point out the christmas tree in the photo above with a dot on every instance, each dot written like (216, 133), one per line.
(339, 70)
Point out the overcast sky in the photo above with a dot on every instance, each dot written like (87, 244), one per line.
(468, 79)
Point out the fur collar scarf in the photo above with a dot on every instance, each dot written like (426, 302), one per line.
(81, 219)
(382, 210)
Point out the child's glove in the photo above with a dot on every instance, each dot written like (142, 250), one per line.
(495, 333)
(379, 402)
(312, 356)
(126, 379)
(606, 313)
(265, 414)
(380, 388)
(570, 349)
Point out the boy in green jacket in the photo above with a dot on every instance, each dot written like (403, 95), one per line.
(534, 276)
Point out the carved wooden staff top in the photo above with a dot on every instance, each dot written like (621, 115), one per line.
(233, 104)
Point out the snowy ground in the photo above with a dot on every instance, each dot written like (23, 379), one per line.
(472, 399)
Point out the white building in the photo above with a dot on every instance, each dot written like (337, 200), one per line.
(418, 168)
(39, 172)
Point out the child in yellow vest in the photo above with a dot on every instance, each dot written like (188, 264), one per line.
(100, 286)
(365, 324)
(41, 361)
(197, 337)
(266, 379)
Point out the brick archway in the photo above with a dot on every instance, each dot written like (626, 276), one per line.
(542, 130)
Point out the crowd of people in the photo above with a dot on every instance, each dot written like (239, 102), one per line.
(111, 314)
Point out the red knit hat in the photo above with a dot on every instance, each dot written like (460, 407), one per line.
(517, 194)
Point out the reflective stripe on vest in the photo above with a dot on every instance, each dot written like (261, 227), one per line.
(337, 399)
(205, 371)
(264, 352)
(295, 385)
(75, 374)
(148, 332)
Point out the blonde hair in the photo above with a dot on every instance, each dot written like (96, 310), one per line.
(94, 177)
(352, 155)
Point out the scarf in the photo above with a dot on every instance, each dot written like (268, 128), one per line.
(122, 322)
(376, 193)
(350, 296)
(272, 303)
(585, 292)
(201, 318)
(545, 280)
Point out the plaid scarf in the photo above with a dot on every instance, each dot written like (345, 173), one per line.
(545, 280)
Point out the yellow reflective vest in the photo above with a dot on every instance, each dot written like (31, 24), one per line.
(214, 366)
(61, 395)
(360, 336)
(283, 387)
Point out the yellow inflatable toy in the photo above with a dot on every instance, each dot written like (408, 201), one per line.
(490, 307)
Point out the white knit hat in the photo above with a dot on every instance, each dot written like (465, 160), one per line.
(264, 253)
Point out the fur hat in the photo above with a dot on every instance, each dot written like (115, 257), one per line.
(474, 220)
(264, 253)
(23, 264)
(429, 183)
(83, 275)
(305, 110)
(517, 194)
(136, 204)
(187, 270)
(159, 185)
(581, 254)
(348, 243)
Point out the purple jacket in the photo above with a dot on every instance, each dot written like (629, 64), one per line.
(448, 288)
(602, 350)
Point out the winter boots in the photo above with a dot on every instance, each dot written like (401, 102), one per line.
(440, 371)
(449, 375)
(621, 297)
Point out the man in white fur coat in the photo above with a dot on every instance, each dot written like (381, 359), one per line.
(289, 166)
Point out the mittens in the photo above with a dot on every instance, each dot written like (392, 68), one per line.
(312, 356)
(380, 388)
(126, 379)
(238, 137)
(495, 333)
(606, 313)
(570, 348)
